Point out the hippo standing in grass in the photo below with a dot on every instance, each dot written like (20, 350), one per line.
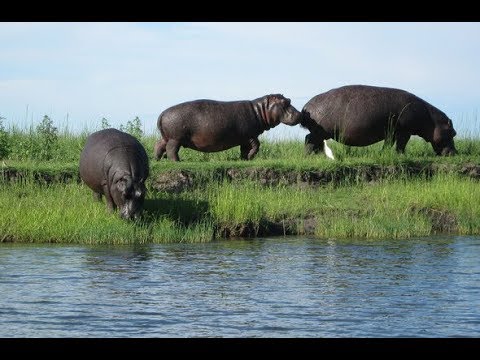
(115, 164)
(360, 115)
(210, 126)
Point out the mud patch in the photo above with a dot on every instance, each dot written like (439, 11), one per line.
(471, 170)
(264, 176)
(40, 177)
(247, 229)
(283, 227)
(6, 238)
(174, 181)
(443, 222)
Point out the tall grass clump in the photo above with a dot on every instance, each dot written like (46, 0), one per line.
(233, 204)
(449, 195)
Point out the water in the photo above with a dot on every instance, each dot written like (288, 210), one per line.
(272, 287)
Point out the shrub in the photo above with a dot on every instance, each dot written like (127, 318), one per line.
(48, 139)
(105, 124)
(133, 127)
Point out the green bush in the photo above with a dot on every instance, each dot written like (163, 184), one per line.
(133, 127)
(48, 139)
(105, 124)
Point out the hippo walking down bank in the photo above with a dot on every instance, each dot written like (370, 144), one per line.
(115, 164)
(210, 126)
(360, 115)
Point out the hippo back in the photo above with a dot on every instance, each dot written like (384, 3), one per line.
(361, 115)
(111, 147)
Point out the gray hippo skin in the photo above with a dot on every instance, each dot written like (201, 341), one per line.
(115, 164)
(360, 115)
(209, 125)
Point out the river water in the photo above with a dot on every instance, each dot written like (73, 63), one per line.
(267, 287)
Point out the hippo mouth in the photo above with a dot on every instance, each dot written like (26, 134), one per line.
(448, 151)
(130, 212)
(292, 117)
(445, 150)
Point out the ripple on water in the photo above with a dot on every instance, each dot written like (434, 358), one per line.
(276, 287)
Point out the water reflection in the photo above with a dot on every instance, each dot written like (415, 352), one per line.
(274, 287)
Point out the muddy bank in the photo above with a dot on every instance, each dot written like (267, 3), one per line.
(176, 181)
(40, 176)
(442, 222)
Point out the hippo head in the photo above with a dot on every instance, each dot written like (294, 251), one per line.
(277, 109)
(443, 135)
(128, 195)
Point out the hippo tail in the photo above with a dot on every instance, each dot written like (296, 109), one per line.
(160, 124)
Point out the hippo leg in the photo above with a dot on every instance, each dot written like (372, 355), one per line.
(401, 140)
(172, 148)
(110, 204)
(250, 149)
(97, 196)
(159, 149)
(313, 144)
(387, 145)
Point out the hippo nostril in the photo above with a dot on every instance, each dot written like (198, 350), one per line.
(125, 214)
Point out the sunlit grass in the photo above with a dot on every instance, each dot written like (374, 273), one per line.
(67, 213)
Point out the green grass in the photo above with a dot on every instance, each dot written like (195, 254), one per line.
(45, 202)
(67, 213)
(391, 209)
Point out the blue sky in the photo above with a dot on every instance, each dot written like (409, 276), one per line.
(82, 72)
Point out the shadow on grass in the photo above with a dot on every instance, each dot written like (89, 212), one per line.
(185, 212)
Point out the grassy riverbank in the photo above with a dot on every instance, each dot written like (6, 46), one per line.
(386, 209)
(366, 192)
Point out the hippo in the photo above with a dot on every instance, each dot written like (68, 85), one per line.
(361, 115)
(211, 126)
(115, 164)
